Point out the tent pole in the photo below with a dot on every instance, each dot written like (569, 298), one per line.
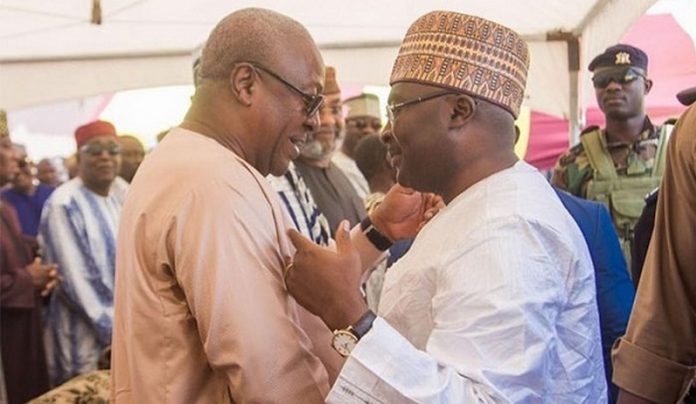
(574, 114)
(574, 120)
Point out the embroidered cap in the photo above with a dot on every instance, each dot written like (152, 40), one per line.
(4, 130)
(620, 55)
(467, 54)
(365, 104)
(330, 83)
(89, 131)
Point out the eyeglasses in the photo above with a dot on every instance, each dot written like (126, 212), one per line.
(95, 149)
(24, 162)
(312, 101)
(393, 108)
(602, 80)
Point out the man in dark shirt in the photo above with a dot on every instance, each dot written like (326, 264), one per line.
(26, 197)
(331, 189)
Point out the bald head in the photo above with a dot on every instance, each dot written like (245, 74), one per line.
(247, 35)
(260, 77)
(132, 154)
(46, 172)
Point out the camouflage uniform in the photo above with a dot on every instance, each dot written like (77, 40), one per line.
(621, 186)
(573, 170)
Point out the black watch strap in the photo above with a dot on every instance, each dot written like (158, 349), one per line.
(363, 325)
(377, 239)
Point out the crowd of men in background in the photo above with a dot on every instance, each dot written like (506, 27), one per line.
(60, 225)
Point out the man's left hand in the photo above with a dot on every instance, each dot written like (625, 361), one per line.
(404, 212)
(327, 282)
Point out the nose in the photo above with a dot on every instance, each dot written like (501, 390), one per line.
(313, 122)
(613, 85)
(368, 130)
(104, 153)
(327, 117)
(386, 135)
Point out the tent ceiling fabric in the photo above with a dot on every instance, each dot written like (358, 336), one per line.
(50, 51)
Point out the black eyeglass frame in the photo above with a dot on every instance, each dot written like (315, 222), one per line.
(313, 102)
(393, 108)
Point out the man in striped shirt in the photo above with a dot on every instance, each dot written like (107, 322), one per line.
(78, 232)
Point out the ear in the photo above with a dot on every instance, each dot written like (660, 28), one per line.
(462, 112)
(648, 85)
(242, 83)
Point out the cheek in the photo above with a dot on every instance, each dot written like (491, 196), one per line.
(598, 94)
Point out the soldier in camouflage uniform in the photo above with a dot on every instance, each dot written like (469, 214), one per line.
(620, 164)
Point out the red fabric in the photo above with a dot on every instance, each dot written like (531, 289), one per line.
(87, 132)
(548, 138)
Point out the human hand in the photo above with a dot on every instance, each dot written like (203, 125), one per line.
(327, 282)
(44, 277)
(53, 282)
(404, 212)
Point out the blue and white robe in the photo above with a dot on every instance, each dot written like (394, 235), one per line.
(300, 205)
(78, 232)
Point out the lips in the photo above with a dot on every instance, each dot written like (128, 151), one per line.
(613, 100)
(296, 143)
(108, 167)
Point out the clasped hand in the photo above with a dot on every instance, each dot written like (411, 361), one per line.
(44, 276)
(326, 281)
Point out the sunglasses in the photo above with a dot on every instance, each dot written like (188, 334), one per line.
(602, 80)
(313, 102)
(96, 149)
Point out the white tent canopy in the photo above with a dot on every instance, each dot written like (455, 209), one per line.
(51, 51)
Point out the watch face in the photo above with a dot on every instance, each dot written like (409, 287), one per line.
(344, 342)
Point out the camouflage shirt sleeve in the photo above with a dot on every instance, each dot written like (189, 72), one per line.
(572, 171)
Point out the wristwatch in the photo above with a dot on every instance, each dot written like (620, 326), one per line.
(379, 240)
(345, 340)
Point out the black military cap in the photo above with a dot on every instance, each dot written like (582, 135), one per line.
(688, 96)
(620, 55)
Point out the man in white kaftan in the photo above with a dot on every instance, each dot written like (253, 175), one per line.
(495, 301)
(502, 308)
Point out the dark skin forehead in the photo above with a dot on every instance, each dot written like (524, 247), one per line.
(106, 139)
(45, 164)
(130, 143)
(363, 117)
